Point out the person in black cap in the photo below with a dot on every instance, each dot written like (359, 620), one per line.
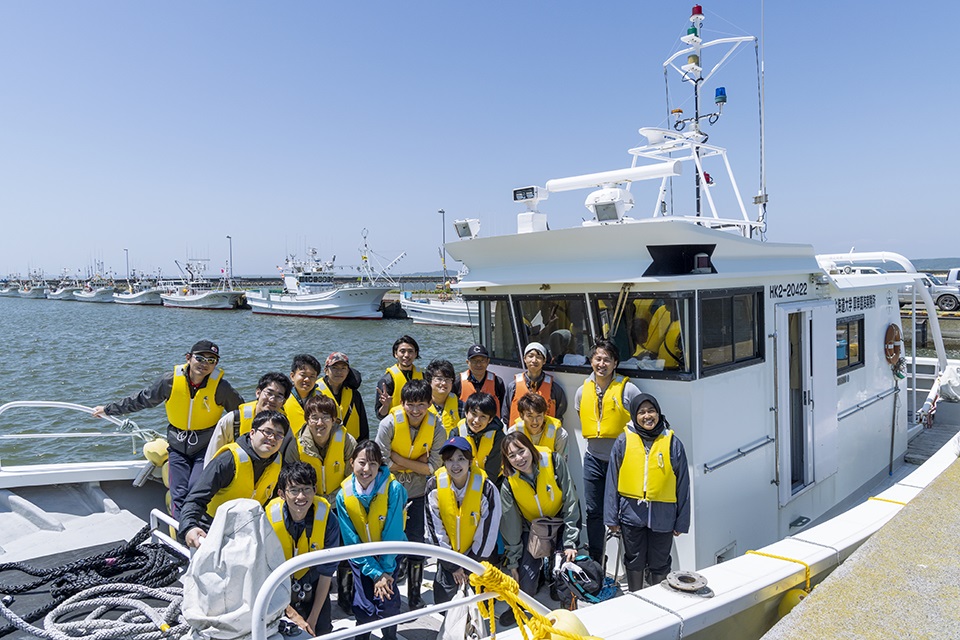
(647, 498)
(463, 514)
(477, 378)
(195, 396)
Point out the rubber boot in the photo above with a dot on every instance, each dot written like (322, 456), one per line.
(656, 578)
(345, 587)
(634, 580)
(414, 580)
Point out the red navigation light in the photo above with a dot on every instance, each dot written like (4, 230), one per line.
(697, 10)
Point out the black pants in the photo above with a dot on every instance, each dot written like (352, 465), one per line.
(646, 549)
(594, 485)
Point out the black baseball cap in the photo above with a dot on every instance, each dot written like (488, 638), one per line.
(477, 350)
(205, 346)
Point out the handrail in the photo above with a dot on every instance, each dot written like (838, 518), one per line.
(863, 404)
(156, 517)
(336, 554)
(741, 452)
(129, 427)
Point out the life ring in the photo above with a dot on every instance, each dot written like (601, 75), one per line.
(891, 344)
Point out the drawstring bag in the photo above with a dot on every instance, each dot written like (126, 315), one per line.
(543, 536)
(462, 622)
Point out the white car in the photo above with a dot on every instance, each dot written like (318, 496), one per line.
(946, 297)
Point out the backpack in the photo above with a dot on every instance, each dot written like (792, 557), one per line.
(587, 581)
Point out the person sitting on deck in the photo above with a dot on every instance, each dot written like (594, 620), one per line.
(303, 522)
(247, 468)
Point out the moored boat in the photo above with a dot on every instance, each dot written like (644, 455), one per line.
(140, 290)
(65, 288)
(452, 312)
(195, 291)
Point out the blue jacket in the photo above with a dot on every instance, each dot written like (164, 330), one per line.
(375, 566)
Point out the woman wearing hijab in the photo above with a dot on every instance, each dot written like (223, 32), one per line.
(647, 498)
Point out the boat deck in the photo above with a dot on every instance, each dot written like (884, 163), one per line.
(903, 582)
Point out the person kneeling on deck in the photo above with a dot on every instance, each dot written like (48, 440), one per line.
(370, 508)
(541, 512)
(463, 514)
(647, 495)
(247, 468)
(303, 523)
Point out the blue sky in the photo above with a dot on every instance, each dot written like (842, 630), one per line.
(162, 127)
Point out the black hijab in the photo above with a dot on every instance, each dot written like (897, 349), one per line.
(661, 423)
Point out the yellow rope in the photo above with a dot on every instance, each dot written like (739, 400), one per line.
(902, 504)
(492, 579)
(806, 567)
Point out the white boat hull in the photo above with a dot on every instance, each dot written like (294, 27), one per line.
(33, 292)
(361, 303)
(151, 296)
(63, 294)
(104, 294)
(229, 299)
(451, 313)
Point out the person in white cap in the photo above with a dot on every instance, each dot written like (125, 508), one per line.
(535, 380)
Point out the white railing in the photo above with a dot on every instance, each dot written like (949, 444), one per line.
(326, 556)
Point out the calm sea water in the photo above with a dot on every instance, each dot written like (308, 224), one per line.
(91, 354)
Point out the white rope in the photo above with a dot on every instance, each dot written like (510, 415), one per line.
(139, 621)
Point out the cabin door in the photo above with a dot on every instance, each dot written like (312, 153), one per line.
(806, 394)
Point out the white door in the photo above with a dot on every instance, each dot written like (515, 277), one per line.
(806, 394)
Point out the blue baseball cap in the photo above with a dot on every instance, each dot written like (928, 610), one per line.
(457, 442)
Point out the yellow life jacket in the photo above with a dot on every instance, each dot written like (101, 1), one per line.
(332, 469)
(460, 521)
(401, 434)
(294, 410)
(368, 524)
(451, 412)
(648, 477)
(348, 417)
(489, 386)
(548, 499)
(481, 452)
(196, 413)
(242, 485)
(671, 349)
(399, 380)
(657, 330)
(613, 416)
(306, 544)
(544, 390)
(548, 436)
(248, 410)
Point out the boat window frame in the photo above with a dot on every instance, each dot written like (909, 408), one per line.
(724, 367)
(516, 300)
(688, 295)
(861, 363)
(484, 329)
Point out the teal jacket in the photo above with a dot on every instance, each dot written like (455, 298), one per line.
(375, 566)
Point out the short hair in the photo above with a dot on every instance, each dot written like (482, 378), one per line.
(481, 402)
(278, 378)
(605, 345)
(296, 473)
(320, 403)
(446, 454)
(275, 417)
(439, 368)
(531, 403)
(305, 359)
(516, 438)
(372, 448)
(416, 391)
(405, 339)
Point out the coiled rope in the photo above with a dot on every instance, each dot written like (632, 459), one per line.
(492, 579)
(156, 567)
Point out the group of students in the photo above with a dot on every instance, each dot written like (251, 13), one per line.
(463, 462)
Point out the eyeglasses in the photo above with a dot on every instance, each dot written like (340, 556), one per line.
(205, 359)
(317, 419)
(270, 435)
(300, 491)
(272, 395)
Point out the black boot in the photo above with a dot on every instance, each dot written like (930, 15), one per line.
(656, 578)
(414, 580)
(345, 587)
(634, 580)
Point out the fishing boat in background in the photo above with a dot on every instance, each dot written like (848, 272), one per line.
(310, 289)
(99, 287)
(34, 287)
(65, 288)
(443, 310)
(141, 289)
(196, 291)
(11, 286)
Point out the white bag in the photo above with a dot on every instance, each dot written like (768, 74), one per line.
(463, 622)
(950, 384)
(226, 572)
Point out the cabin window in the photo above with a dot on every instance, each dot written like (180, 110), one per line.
(560, 323)
(652, 331)
(496, 330)
(849, 344)
(730, 323)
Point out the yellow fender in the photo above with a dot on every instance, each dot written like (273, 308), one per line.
(790, 599)
(155, 451)
(165, 474)
(563, 620)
